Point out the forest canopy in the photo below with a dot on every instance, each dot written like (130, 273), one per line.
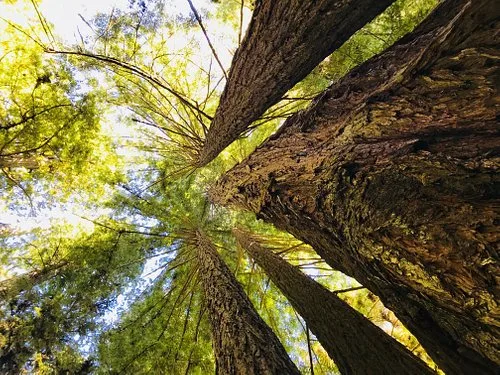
(236, 187)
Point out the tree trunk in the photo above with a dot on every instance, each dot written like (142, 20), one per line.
(284, 42)
(243, 342)
(10, 288)
(392, 176)
(355, 344)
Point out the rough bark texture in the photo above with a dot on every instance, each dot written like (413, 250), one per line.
(10, 288)
(355, 344)
(285, 40)
(243, 342)
(392, 176)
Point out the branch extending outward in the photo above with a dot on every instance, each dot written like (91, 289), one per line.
(136, 71)
(198, 18)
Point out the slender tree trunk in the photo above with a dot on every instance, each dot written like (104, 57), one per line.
(12, 287)
(243, 342)
(355, 344)
(285, 40)
(392, 176)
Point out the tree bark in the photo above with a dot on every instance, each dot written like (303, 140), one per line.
(10, 288)
(355, 344)
(284, 42)
(243, 342)
(392, 176)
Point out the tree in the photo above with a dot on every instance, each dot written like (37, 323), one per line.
(242, 341)
(390, 176)
(306, 33)
(195, 287)
(362, 175)
(355, 344)
(43, 310)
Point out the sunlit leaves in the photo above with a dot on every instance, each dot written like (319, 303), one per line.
(50, 129)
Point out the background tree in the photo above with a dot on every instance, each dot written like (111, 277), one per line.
(41, 322)
(332, 320)
(243, 343)
(50, 131)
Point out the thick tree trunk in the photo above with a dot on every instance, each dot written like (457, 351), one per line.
(10, 288)
(392, 176)
(355, 344)
(243, 342)
(284, 42)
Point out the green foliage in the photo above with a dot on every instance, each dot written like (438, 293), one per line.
(43, 321)
(165, 332)
(50, 129)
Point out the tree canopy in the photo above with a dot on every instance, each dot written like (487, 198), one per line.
(137, 164)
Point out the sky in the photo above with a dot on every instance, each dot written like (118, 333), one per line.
(64, 14)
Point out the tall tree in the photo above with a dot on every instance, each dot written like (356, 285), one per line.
(338, 158)
(391, 176)
(291, 37)
(168, 330)
(355, 344)
(243, 342)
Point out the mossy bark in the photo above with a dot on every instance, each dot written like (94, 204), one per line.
(392, 176)
(355, 344)
(285, 40)
(243, 342)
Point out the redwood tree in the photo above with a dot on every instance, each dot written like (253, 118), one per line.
(391, 176)
(284, 42)
(355, 344)
(243, 342)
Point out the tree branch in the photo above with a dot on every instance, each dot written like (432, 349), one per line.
(198, 18)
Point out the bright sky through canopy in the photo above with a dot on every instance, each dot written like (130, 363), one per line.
(67, 21)
(65, 15)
